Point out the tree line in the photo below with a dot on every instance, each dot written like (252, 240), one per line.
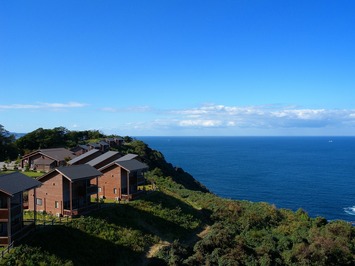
(11, 148)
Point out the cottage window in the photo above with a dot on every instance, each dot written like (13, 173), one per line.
(115, 191)
(56, 204)
(3, 229)
(39, 202)
(3, 203)
(99, 189)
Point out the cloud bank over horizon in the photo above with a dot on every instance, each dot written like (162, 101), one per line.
(207, 119)
(270, 117)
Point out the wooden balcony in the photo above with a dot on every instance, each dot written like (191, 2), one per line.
(4, 241)
(4, 214)
(92, 189)
(133, 196)
(80, 210)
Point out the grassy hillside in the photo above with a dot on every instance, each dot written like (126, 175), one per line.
(183, 224)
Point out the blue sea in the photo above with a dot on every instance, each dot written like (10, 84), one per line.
(316, 174)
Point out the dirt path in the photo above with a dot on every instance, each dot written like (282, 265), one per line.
(154, 249)
(194, 238)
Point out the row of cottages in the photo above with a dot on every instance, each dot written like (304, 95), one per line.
(46, 159)
(12, 204)
(103, 145)
(69, 190)
(121, 175)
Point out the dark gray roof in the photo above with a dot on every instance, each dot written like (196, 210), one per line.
(132, 165)
(43, 161)
(58, 154)
(114, 138)
(102, 158)
(104, 143)
(76, 172)
(80, 147)
(95, 145)
(17, 182)
(84, 147)
(84, 155)
(127, 157)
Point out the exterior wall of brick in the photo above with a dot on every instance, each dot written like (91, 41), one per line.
(110, 183)
(48, 194)
(113, 183)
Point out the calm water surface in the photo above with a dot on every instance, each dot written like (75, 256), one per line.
(316, 174)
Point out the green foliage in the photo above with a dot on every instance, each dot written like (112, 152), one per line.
(54, 138)
(170, 209)
(26, 255)
(133, 239)
(246, 233)
(8, 149)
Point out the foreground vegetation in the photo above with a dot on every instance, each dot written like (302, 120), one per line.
(235, 233)
(182, 223)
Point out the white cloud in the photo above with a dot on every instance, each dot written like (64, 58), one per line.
(236, 118)
(266, 116)
(53, 106)
(200, 123)
(131, 109)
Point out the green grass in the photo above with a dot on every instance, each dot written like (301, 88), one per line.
(32, 174)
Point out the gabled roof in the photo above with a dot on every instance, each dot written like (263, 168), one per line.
(127, 157)
(103, 143)
(58, 154)
(114, 138)
(83, 146)
(43, 161)
(102, 158)
(84, 155)
(17, 182)
(130, 165)
(76, 172)
(95, 145)
(80, 147)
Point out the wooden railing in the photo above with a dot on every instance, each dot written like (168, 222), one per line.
(81, 210)
(7, 249)
(28, 226)
(132, 196)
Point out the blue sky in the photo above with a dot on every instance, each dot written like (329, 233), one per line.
(140, 68)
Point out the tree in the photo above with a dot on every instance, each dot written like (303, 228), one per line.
(43, 139)
(8, 150)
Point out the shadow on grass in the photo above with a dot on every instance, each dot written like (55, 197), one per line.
(68, 243)
(141, 215)
(170, 202)
(157, 214)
